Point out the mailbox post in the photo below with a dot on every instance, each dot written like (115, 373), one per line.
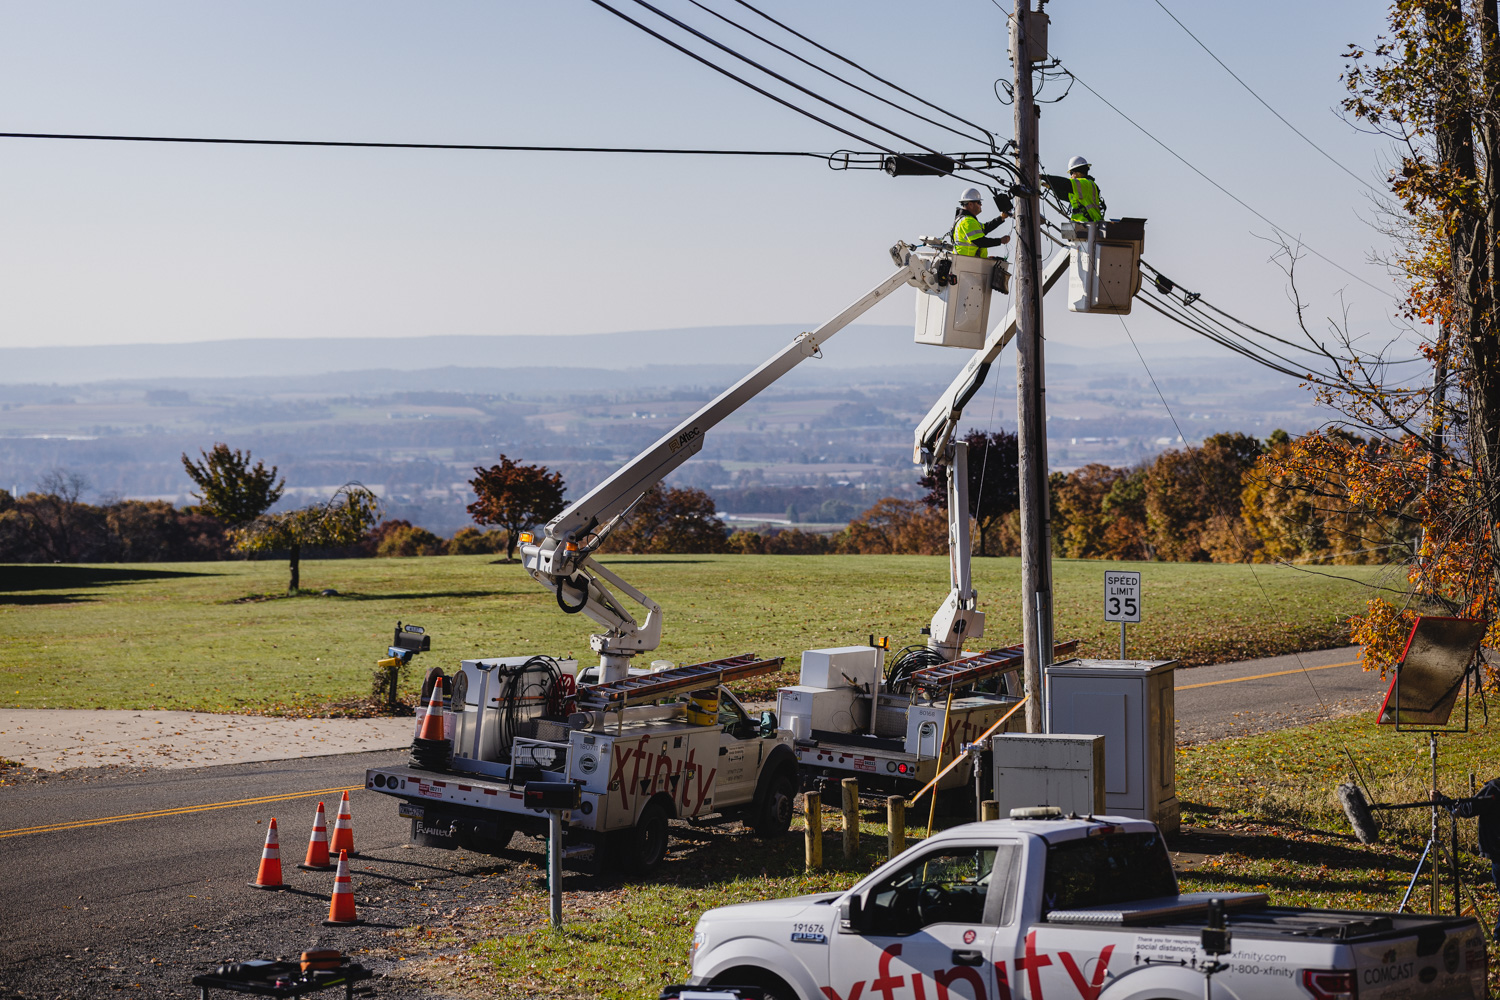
(556, 797)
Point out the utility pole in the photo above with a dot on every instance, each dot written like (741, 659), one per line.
(1036, 528)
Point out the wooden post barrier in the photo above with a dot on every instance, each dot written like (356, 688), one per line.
(813, 807)
(989, 809)
(851, 816)
(895, 817)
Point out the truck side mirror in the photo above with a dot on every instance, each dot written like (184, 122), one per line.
(851, 914)
(768, 723)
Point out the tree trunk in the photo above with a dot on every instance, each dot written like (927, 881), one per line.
(296, 584)
(512, 536)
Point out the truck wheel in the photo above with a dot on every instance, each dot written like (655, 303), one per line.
(774, 986)
(773, 816)
(643, 846)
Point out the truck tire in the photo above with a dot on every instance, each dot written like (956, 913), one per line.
(644, 846)
(774, 986)
(773, 813)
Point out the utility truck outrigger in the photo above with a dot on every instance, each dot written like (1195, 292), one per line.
(641, 760)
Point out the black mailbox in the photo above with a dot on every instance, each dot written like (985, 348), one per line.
(552, 795)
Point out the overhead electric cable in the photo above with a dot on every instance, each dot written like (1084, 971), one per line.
(762, 91)
(1326, 155)
(990, 139)
(408, 145)
(1237, 200)
(874, 76)
(775, 75)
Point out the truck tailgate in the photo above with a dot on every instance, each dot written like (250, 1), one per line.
(1436, 962)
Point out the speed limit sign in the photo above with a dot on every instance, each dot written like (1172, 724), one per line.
(1122, 596)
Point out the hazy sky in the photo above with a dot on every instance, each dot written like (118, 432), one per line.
(118, 243)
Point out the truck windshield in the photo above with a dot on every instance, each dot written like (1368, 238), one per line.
(1099, 871)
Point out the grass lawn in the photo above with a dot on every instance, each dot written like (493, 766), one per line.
(1279, 831)
(217, 637)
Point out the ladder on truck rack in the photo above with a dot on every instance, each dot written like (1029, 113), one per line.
(650, 687)
(971, 669)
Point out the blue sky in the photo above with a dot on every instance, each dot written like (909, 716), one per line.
(120, 243)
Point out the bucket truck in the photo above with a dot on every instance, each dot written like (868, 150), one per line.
(638, 753)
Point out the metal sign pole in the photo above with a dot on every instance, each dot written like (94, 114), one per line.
(1122, 640)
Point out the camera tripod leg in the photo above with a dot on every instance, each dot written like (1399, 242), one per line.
(1412, 885)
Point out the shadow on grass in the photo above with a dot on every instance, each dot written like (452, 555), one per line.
(34, 576)
(1265, 847)
(23, 599)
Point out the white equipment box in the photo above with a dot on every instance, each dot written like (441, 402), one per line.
(843, 666)
(959, 315)
(1048, 769)
(801, 709)
(1132, 703)
(1106, 265)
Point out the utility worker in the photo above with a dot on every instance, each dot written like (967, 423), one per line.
(1083, 197)
(970, 236)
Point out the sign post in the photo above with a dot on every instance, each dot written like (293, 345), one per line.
(1122, 600)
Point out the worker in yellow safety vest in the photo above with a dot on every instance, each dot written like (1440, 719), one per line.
(1084, 201)
(970, 236)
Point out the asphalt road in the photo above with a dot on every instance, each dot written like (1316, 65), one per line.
(1254, 696)
(134, 880)
(104, 899)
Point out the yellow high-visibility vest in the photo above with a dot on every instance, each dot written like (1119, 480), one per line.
(1084, 200)
(965, 231)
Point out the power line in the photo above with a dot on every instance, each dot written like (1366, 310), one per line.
(1326, 155)
(1183, 160)
(874, 76)
(408, 145)
(773, 74)
(989, 139)
(767, 94)
(1237, 200)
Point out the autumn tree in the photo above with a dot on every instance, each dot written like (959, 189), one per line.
(1432, 85)
(1193, 500)
(231, 490)
(515, 497)
(898, 527)
(1079, 518)
(994, 483)
(676, 519)
(342, 520)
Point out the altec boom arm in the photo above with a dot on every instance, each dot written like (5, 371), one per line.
(936, 429)
(561, 560)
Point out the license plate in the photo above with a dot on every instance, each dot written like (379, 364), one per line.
(411, 809)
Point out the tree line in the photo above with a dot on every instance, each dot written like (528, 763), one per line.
(1231, 499)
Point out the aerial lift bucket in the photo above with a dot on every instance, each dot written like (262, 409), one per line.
(1106, 265)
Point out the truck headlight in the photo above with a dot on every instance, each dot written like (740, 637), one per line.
(700, 942)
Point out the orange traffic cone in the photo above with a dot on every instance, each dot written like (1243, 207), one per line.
(343, 829)
(341, 906)
(432, 724)
(269, 876)
(317, 845)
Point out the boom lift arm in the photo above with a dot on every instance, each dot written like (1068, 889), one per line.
(562, 559)
(959, 617)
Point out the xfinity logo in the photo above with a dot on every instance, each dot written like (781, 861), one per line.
(685, 438)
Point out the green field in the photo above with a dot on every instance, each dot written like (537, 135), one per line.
(217, 637)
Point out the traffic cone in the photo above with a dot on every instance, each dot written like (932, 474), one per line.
(269, 876)
(343, 829)
(341, 906)
(432, 724)
(317, 845)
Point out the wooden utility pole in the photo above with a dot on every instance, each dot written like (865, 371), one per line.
(1036, 528)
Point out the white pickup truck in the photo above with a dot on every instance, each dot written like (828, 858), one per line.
(1054, 909)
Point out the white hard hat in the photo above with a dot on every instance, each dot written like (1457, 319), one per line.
(970, 194)
(1077, 162)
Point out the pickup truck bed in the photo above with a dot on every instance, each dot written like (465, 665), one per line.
(1055, 909)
